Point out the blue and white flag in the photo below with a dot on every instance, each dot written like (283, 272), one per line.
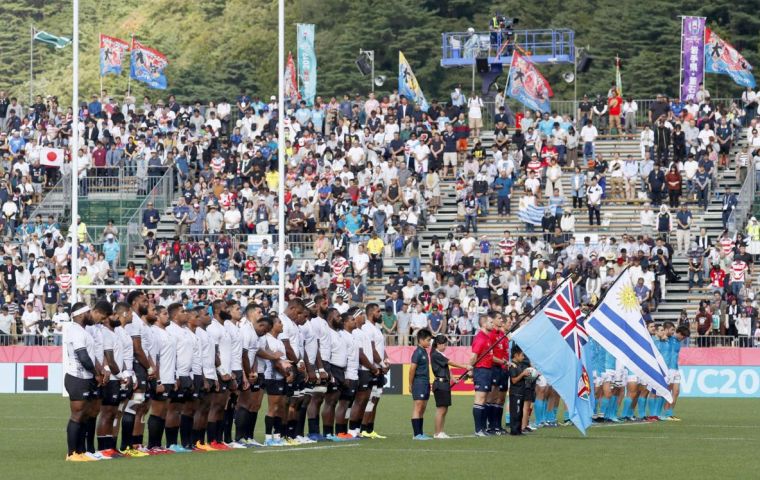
(307, 62)
(148, 66)
(527, 85)
(408, 85)
(722, 57)
(617, 325)
(532, 215)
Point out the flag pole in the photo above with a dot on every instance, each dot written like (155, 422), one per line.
(100, 69)
(74, 230)
(129, 77)
(514, 327)
(281, 155)
(31, 64)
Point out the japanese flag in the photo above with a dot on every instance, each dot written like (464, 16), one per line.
(51, 157)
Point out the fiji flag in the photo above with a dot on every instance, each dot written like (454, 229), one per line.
(527, 85)
(554, 341)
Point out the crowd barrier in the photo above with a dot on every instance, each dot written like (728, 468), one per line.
(705, 372)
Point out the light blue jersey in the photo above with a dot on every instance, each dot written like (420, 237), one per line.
(662, 346)
(673, 352)
(610, 362)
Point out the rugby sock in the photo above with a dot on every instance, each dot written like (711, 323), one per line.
(302, 419)
(127, 427)
(627, 410)
(605, 406)
(363, 427)
(220, 431)
(172, 433)
(370, 427)
(328, 430)
(668, 412)
(641, 406)
(186, 430)
(229, 420)
(104, 442)
(478, 412)
(241, 423)
(314, 426)
(155, 431)
(268, 423)
(90, 425)
(341, 428)
(499, 415)
(210, 432)
(72, 436)
(489, 416)
(539, 407)
(252, 428)
(292, 426)
(197, 436)
(139, 439)
(417, 426)
(553, 415)
(277, 426)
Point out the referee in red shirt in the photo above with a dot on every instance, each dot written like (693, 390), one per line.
(481, 374)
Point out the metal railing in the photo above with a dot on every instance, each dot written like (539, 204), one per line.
(746, 198)
(161, 195)
(461, 48)
(61, 189)
(119, 182)
(38, 340)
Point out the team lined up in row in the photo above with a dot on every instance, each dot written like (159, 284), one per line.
(198, 372)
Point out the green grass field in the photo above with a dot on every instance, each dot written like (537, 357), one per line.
(716, 439)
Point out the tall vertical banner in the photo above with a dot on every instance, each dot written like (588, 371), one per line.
(692, 56)
(112, 52)
(618, 77)
(307, 63)
(408, 84)
(527, 85)
(291, 83)
(148, 66)
(722, 57)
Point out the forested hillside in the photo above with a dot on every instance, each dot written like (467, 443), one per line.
(218, 47)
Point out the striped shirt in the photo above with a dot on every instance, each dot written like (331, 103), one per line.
(738, 269)
(64, 281)
(507, 246)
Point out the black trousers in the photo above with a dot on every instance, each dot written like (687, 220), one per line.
(515, 413)
(594, 211)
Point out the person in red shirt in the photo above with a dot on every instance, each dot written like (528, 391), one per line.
(250, 266)
(717, 279)
(499, 376)
(615, 106)
(482, 361)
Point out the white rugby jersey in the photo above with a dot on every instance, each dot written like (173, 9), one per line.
(322, 331)
(97, 337)
(374, 334)
(310, 341)
(352, 354)
(76, 339)
(220, 337)
(167, 356)
(236, 345)
(197, 365)
(364, 343)
(338, 349)
(249, 340)
(208, 353)
(292, 334)
(183, 340)
(127, 348)
(112, 342)
(273, 345)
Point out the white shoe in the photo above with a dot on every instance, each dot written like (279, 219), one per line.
(235, 445)
(96, 456)
(303, 440)
(252, 442)
(441, 435)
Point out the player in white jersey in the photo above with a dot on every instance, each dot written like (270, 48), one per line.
(165, 347)
(253, 328)
(185, 345)
(232, 325)
(317, 347)
(222, 345)
(123, 314)
(144, 370)
(277, 375)
(367, 372)
(294, 316)
(81, 380)
(93, 409)
(197, 410)
(331, 356)
(372, 329)
(113, 366)
(346, 371)
(210, 383)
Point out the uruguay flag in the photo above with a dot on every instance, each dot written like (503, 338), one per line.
(532, 215)
(617, 325)
(550, 353)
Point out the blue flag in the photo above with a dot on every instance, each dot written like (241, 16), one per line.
(722, 57)
(543, 342)
(307, 63)
(148, 66)
(527, 85)
(532, 215)
(408, 84)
